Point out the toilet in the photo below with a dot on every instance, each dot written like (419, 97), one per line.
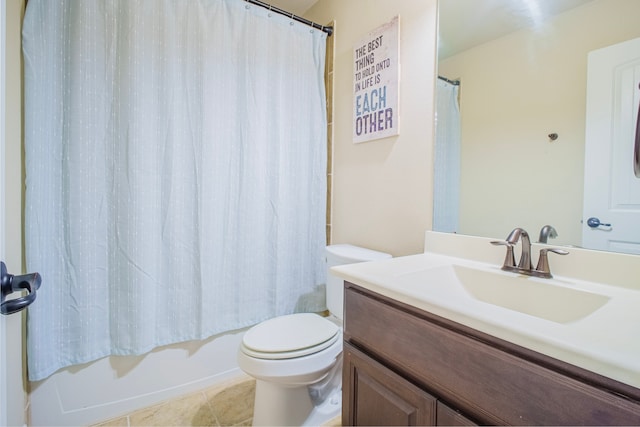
(296, 359)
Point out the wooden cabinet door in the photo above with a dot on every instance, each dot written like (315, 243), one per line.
(447, 416)
(373, 395)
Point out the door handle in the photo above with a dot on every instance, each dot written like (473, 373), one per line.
(595, 223)
(10, 284)
(636, 146)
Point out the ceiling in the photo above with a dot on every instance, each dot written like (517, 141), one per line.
(464, 24)
(467, 23)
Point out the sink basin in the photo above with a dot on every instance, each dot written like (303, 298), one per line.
(543, 298)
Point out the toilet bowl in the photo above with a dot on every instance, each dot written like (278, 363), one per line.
(296, 359)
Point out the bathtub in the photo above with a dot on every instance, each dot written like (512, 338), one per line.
(112, 386)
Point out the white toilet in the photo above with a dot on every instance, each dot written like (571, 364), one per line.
(297, 359)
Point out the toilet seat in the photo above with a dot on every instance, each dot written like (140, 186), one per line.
(290, 336)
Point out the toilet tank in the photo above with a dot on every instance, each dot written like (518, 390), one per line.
(340, 255)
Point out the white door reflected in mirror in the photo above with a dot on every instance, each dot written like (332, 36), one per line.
(611, 191)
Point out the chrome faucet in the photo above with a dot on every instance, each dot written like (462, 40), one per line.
(525, 251)
(524, 265)
(546, 232)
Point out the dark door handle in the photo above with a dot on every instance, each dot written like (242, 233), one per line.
(10, 284)
(595, 223)
(636, 147)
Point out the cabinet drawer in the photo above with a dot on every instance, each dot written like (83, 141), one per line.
(491, 385)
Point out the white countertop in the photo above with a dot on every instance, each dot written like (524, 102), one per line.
(606, 341)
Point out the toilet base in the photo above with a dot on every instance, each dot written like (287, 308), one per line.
(276, 405)
(327, 411)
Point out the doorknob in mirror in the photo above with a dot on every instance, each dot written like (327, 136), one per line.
(595, 223)
(636, 146)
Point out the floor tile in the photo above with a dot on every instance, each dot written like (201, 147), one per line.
(116, 422)
(191, 410)
(234, 404)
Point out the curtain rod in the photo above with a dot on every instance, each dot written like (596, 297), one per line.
(453, 82)
(328, 30)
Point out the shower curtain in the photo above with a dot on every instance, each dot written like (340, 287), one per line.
(446, 197)
(175, 173)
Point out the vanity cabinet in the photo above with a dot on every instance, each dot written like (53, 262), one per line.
(405, 366)
(379, 396)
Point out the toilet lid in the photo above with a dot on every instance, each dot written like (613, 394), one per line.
(293, 335)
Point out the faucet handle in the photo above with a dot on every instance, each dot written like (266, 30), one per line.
(509, 259)
(542, 270)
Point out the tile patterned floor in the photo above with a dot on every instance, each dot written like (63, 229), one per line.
(230, 404)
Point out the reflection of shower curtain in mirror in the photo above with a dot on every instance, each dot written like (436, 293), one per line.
(446, 192)
(176, 172)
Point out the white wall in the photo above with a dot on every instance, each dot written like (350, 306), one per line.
(514, 92)
(382, 196)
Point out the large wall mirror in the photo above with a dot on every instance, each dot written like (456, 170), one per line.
(522, 72)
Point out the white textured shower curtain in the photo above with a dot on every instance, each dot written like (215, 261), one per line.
(446, 179)
(176, 172)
